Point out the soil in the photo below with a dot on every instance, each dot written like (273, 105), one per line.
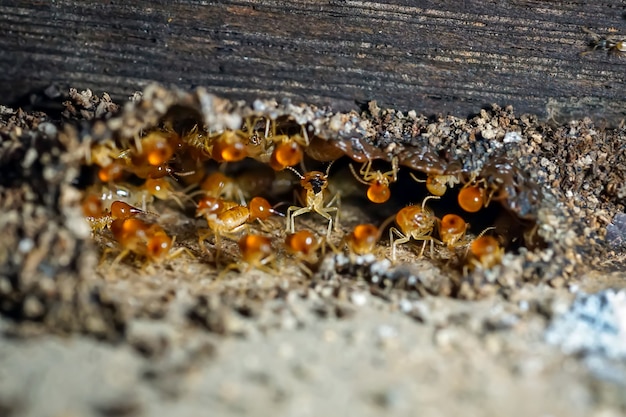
(542, 331)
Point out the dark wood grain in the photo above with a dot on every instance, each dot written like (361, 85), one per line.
(437, 57)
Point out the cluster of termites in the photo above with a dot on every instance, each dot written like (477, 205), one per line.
(191, 167)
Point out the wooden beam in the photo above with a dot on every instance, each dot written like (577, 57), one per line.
(439, 56)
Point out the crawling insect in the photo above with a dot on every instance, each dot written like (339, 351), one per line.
(100, 218)
(378, 191)
(288, 149)
(155, 149)
(224, 218)
(304, 246)
(261, 210)
(256, 252)
(314, 183)
(417, 222)
(603, 43)
(143, 239)
(219, 185)
(438, 184)
(363, 238)
(452, 229)
(163, 189)
(230, 146)
(485, 252)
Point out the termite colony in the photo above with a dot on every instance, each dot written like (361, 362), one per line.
(261, 176)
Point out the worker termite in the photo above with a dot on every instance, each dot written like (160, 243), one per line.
(452, 229)
(314, 184)
(261, 210)
(143, 239)
(378, 191)
(416, 222)
(99, 217)
(485, 252)
(287, 149)
(363, 238)
(438, 184)
(224, 218)
(304, 246)
(230, 146)
(471, 198)
(256, 252)
(219, 185)
(163, 189)
(604, 43)
(477, 194)
(154, 149)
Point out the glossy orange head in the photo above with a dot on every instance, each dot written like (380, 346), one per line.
(363, 239)
(436, 187)
(122, 210)
(472, 198)
(125, 230)
(303, 242)
(487, 251)
(452, 229)
(255, 248)
(378, 192)
(215, 183)
(287, 153)
(158, 245)
(156, 148)
(229, 148)
(209, 205)
(260, 208)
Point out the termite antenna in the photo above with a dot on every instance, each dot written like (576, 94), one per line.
(428, 198)
(328, 167)
(356, 176)
(295, 171)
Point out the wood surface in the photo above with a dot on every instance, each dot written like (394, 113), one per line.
(432, 56)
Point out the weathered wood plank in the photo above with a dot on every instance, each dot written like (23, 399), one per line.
(436, 57)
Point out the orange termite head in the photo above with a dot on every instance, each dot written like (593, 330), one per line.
(472, 198)
(452, 228)
(122, 210)
(486, 250)
(363, 239)
(215, 182)
(378, 191)
(287, 153)
(156, 148)
(302, 242)
(159, 244)
(158, 187)
(260, 208)
(209, 205)
(255, 248)
(435, 187)
(124, 229)
(229, 147)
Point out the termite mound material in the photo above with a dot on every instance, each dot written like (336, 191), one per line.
(547, 221)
